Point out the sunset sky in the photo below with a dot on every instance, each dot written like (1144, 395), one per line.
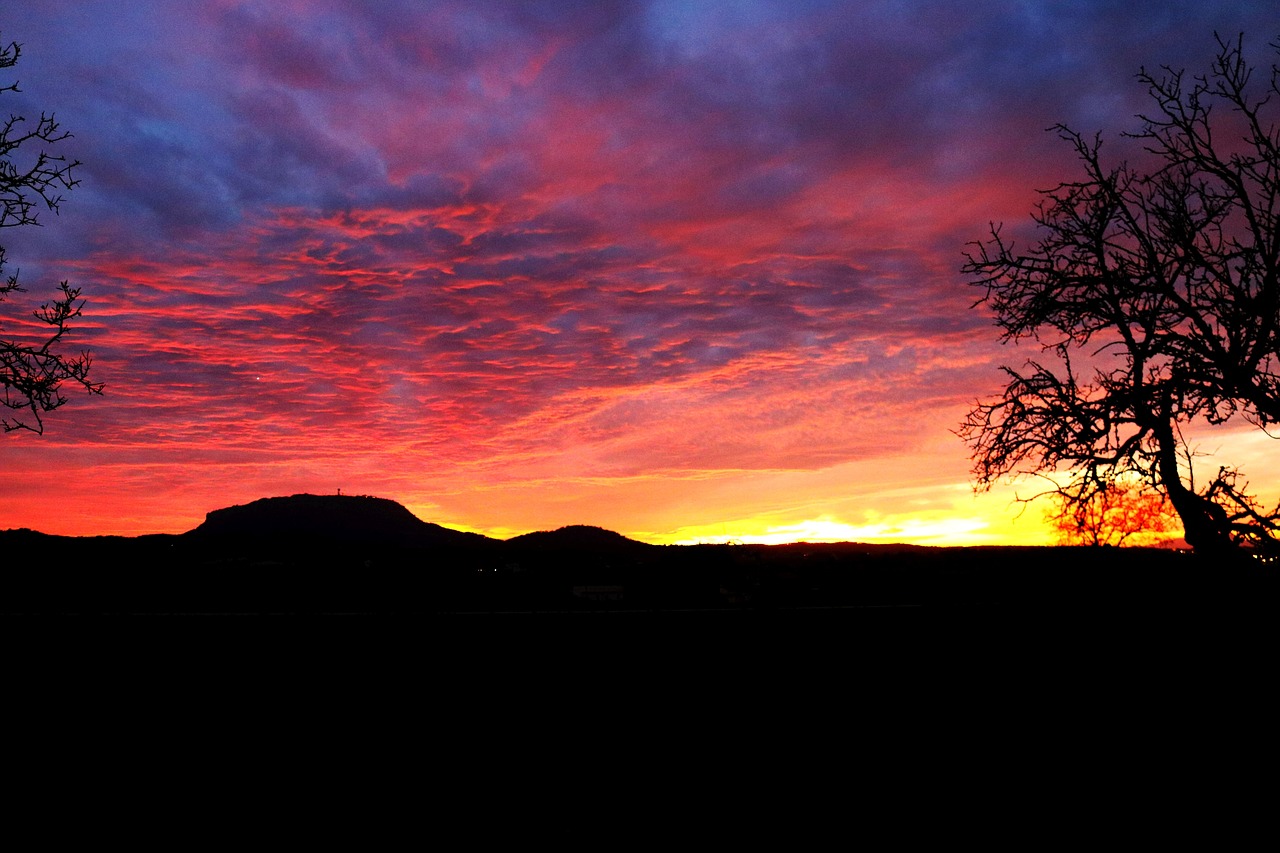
(684, 270)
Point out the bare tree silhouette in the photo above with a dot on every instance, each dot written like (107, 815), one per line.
(1123, 513)
(32, 366)
(1154, 295)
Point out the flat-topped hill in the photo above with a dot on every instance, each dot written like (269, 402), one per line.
(347, 518)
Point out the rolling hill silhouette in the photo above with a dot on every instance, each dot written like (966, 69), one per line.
(576, 537)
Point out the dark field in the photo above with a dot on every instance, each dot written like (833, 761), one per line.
(292, 575)
(974, 646)
(333, 555)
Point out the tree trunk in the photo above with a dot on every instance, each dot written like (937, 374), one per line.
(1205, 524)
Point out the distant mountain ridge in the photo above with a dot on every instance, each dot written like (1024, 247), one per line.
(361, 518)
(344, 518)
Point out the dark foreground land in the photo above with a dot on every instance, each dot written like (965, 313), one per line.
(310, 554)
(579, 648)
(286, 574)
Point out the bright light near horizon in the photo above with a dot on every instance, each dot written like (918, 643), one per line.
(934, 514)
(913, 531)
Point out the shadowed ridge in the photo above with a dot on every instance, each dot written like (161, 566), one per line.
(346, 518)
(577, 537)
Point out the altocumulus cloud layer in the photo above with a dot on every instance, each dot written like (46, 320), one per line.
(646, 265)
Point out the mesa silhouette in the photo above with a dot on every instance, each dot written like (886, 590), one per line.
(343, 518)
(373, 521)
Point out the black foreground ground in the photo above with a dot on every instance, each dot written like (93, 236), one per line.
(287, 574)
(310, 554)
